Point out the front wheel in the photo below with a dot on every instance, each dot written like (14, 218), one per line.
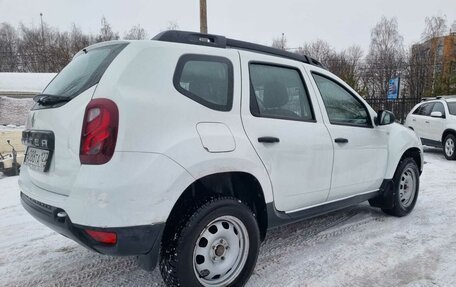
(406, 184)
(449, 147)
(217, 245)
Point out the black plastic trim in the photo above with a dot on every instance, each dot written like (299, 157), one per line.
(131, 241)
(199, 57)
(429, 142)
(277, 218)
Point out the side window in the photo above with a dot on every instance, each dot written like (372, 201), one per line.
(342, 107)
(418, 110)
(438, 107)
(278, 92)
(426, 109)
(207, 80)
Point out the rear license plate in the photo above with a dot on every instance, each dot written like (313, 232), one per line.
(37, 159)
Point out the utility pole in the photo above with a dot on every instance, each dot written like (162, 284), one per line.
(203, 16)
(42, 29)
(42, 43)
(283, 41)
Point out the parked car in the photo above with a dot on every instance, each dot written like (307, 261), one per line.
(186, 149)
(434, 121)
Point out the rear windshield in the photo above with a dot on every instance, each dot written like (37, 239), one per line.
(452, 108)
(84, 71)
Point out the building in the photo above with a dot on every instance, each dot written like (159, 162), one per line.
(433, 67)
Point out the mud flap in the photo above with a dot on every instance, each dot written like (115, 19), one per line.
(385, 199)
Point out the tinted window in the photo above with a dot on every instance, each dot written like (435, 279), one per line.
(438, 107)
(278, 92)
(424, 109)
(452, 108)
(206, 80)
(84, 71)
(341, 105)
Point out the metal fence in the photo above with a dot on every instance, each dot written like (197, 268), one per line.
(400, 107)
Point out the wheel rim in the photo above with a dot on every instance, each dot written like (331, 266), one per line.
(221, 251)
(407, 187)
(449, 147)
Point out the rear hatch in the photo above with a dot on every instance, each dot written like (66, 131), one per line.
(53, 129)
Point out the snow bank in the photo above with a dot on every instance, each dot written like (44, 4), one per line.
(24, 82)
(14, 111)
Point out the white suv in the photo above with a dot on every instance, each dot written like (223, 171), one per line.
(434, 121)
(186, 149)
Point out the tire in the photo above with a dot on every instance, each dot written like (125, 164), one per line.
(225, 255)
(449, 147)
(406, 187)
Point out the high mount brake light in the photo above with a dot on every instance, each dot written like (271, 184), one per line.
(99, 132)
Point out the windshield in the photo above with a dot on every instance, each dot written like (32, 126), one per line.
(84, 71)
(452, 108)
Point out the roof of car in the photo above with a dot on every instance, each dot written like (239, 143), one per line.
(218, 41)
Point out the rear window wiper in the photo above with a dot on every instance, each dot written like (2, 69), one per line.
(46, 99)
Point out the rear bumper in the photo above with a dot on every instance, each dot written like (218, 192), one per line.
(136, 240)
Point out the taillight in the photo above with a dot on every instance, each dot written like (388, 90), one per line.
(103, 236)
(99, 132)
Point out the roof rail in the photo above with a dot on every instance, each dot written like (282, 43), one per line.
(438, 98)
(218, 41)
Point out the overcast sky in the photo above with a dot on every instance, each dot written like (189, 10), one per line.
(341, 23)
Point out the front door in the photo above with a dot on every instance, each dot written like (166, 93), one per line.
(284, 125)
(360, 148)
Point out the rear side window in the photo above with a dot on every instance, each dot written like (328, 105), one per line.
(438, 107)
(278, 92)
(84, 71)
(452, 108)
(207, 80)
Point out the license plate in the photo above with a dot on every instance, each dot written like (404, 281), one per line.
(37, 159)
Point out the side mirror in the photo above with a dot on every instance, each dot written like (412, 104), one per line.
(384, 118)
(437, 115)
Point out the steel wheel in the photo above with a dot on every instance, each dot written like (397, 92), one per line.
(407, 187)
(449, 147)
(221, 251)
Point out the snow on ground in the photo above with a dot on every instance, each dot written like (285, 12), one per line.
(357, 246)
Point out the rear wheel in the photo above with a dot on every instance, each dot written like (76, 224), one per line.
(449, 149)
(217, 245)
(406, 184)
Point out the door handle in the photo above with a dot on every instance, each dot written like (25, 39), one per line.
(413, 120)
(341, 140)
(268, 140)
(427, 122)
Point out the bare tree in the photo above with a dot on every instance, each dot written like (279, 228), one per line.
(106, 33)
(9, 39)
(435, 26)
(172, 25)
(136, 33)
(386, 57)
(280, 42)
(319, 50)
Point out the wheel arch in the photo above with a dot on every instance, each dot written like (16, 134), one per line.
(447, 132)
(242, 185)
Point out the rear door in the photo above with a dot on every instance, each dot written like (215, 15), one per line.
(360, 148)
(436, 124)
(53, 129)
(284, 125)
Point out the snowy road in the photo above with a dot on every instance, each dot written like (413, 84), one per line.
(358, 246)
